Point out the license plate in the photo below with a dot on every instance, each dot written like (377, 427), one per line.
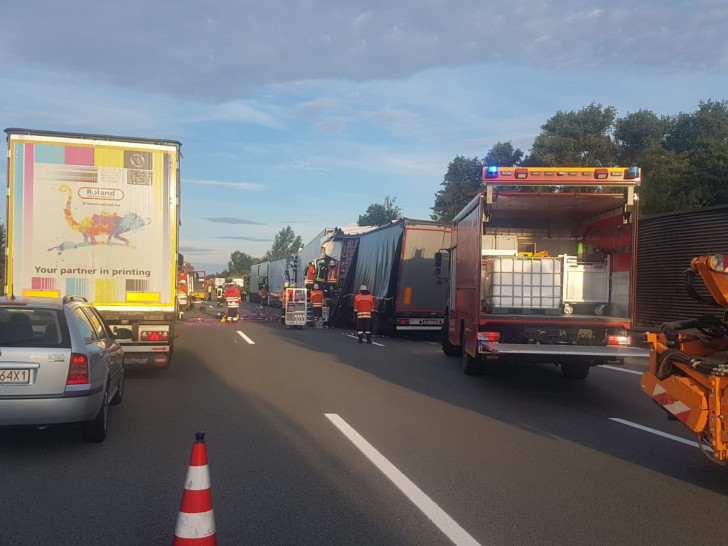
(15, 377)
(430, 322)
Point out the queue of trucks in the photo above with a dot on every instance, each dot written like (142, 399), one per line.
(541, 265)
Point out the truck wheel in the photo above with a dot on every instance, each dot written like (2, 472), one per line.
(573, 370)
(472, 365)
(448, 348)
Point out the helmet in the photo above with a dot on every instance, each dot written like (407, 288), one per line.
(363, 288)
(183, 281)
(286, 285)
(315, 287)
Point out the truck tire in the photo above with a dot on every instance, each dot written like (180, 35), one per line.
(573, 370)
(448, 348)
(472, 365)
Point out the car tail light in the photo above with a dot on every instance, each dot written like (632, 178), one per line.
(619, 340)
(78, 370)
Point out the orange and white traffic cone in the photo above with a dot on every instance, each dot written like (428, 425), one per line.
(195, 523)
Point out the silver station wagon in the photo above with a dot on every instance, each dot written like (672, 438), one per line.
(59, 363)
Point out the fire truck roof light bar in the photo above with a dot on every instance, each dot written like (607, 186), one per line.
(576, 175)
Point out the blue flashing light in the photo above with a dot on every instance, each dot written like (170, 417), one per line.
(491, 171)
(632, 173)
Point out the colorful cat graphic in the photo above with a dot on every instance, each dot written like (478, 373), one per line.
(105, 223)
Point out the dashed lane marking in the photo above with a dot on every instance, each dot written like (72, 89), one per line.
(437, 515)
(617, 369)
(246, 338)
(653, 431)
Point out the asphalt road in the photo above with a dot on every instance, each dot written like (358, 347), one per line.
(315, 439)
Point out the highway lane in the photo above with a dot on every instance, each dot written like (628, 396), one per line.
(523, 457)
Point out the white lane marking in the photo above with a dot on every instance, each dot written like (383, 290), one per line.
(653, 431)
(246, 338)
(373, 342)
(617, 369)
(445, 523)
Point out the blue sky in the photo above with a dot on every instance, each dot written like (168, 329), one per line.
(305, 112)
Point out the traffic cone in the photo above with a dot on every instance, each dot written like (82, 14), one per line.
(195, 523)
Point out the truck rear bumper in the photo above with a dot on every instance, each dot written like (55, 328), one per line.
(600, 352)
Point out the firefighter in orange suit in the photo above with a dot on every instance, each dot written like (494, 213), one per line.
(310, 275)
(182, 298)
(232, 298)
(317, 301)
(363, 307)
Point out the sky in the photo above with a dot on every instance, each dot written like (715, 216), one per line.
(302, 113)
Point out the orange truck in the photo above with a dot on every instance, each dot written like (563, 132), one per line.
(688, 375)
(542, 267)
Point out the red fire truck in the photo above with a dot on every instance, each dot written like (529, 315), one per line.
(542, 268)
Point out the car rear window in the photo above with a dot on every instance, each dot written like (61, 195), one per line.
(30, 327)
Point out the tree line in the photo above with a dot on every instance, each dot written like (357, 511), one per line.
(684, 161)
(684, 157)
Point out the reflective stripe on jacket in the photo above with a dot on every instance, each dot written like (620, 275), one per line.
(364, 305)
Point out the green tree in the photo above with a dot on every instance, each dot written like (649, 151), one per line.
(239, 263)
(286, 243)
(380, 214)
(504, 155)
(461, 182)
(577, 139)
(637, 132)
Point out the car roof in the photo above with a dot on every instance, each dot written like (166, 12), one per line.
(37, 302)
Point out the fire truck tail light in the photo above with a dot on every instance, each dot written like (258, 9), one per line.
(493, 337)
(619, 340)
(601, 174)
(521, 173)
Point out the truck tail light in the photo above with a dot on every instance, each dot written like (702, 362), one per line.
(154, 335)
(624, 341)
(493, 337)
(78, 370)
(402, 322)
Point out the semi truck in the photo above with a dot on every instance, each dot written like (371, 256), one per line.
(395, 262)
(542, 267)
(97, 216)
(258, 282)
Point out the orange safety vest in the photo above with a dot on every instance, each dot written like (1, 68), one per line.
(364, 305)
(232, 298)
(182, 294)
(317, 298)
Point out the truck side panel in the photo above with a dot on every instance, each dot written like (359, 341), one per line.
(97, 217)
(467, 280)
